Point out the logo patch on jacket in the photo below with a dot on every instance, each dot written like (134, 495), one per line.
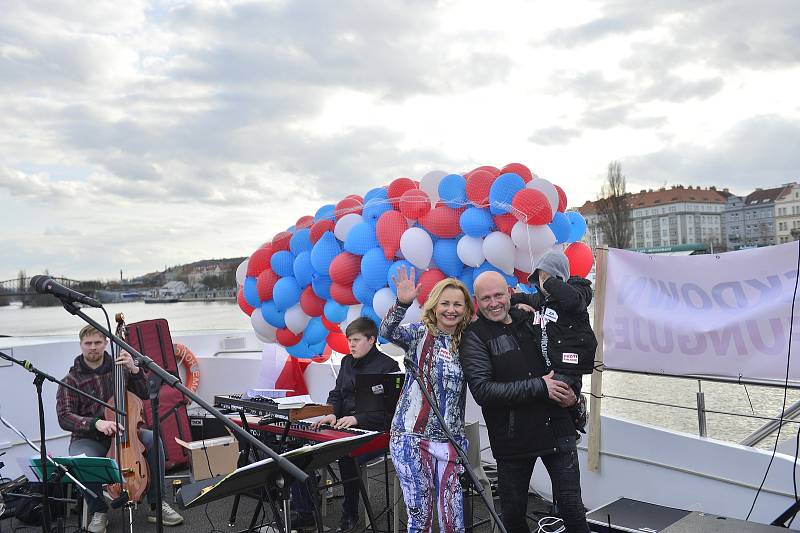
(571, 358)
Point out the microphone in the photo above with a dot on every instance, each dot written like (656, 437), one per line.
(47, 285)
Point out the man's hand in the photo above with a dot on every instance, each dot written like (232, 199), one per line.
(558, 391)
(327, 419)
(108, 428)
(346, 422)
(125, 359)
(525, 307)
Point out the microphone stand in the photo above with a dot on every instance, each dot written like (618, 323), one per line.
(145, 362)
(43, 457)
(415, 371)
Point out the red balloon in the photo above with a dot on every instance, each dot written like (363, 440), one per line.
(344, 268)
(310, 303)
(338, 342)
(519, 169)
(349, 205)
(259, 261)
(562, 198)
(494, 171)
(243, 305)
(319, 228)
(414, 203)
(397, 188)
(281, 241)
(265, 283)
(441, 222)
(287, 337)
(580, 259)
(343, 294)
(521, 276)
(331, 326)
(427, 281)
(389, 229)
(478, 185)
(304, 222)
(531, 206)
(505, 222)
(355, 197)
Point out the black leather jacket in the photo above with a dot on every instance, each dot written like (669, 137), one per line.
(503, 365)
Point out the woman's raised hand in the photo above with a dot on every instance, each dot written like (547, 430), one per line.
(406, 289)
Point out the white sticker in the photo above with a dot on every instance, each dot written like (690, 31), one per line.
(571, 358)
(551, 315)
(444, 353)
(377, 389)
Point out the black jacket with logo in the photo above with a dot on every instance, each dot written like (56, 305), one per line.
(343, 395)
(504, 369)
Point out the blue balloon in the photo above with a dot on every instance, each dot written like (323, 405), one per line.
(374, 267)
(511, 280)
(445, 255)
(324, 251)
(502, 192)
(302, 269)
(300, 242)
(393, 272)
(315, 331)
(251, 292)
(326, 212)
(466, 277)
(375, 207)
(377, 192)
(453, 190)
(476, 222)
(334, 311)
(368, 312)
(561, 227)
(301, 350)
(318, 349)
(486, 266)
(362, 291)
(361, 239)
(321, 285)
(577, 226)
(271, 314)
(282, 263)
(286, 293)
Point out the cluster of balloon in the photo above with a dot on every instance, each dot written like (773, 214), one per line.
(304, 286)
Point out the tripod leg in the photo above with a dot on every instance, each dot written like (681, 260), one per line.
(234, 509)
(365, 498)
(259, 506)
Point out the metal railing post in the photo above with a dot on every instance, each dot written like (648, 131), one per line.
(701, 410)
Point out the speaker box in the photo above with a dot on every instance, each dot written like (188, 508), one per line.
(627, 515)
(206, 427)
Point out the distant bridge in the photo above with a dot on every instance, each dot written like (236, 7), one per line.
(20, 288)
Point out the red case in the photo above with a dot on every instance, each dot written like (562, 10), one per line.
(152, 338)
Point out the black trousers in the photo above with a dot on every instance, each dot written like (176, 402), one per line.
(513, 479)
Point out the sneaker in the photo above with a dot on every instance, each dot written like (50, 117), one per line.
(98, 524)
(169, 515)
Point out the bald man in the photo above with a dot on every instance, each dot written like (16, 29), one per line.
(525, 409)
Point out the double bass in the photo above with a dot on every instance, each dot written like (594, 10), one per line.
(127, 450)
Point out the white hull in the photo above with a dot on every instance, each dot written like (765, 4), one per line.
(638, 461)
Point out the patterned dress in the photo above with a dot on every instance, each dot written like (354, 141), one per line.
(425, 461)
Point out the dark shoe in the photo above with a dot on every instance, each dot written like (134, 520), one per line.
(304, 522)
(347, 524)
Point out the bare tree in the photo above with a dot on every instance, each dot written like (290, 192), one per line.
(614, 210)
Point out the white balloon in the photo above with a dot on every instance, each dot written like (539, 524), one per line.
(430, 184)
(548, 189)
(525, 260)
(498, 248)
(532, 238)
(470, 251)
(345, 224)
(353, 312)
(241, 272)
(417, 247)
(382, 301)
(263, 330)
(296, 319)
(413, 313)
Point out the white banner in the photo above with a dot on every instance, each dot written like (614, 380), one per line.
(722, 315)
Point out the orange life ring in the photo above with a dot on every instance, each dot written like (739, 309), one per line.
(190, 364)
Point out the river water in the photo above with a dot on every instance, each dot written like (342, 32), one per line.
(193, 316)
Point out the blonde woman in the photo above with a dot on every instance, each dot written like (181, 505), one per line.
(425, 461)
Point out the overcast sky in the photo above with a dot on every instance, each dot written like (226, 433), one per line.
(135, 135)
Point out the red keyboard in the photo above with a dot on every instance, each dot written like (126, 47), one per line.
(302, 431)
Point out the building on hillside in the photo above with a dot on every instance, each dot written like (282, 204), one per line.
(750, 220)
(198, 274)
(787, 214)
(667, 217)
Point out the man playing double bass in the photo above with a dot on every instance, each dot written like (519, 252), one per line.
(93, 372)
